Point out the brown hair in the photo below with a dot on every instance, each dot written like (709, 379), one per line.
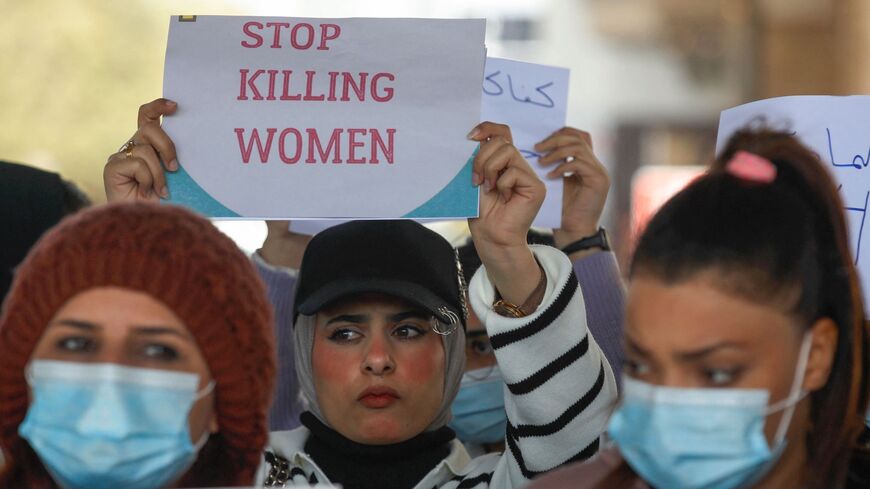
(782, 244)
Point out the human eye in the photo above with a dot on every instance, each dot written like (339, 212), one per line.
(76, 344)
(480, 346)
(408, 331)
(158, 351)
(636, 368)
(344, 335)
(721, 376)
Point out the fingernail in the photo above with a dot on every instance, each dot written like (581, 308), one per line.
(474, 132)
(475, 179)
(173, 165)
(487, 185)
(164, 192)
(170, 102)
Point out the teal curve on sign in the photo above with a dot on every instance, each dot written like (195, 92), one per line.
(184, 191)
(457, 198)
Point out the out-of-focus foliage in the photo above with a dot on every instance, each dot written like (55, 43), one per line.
(72, 76)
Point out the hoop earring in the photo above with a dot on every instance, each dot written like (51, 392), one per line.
(437, 326)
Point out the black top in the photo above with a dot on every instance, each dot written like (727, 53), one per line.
(358, 466)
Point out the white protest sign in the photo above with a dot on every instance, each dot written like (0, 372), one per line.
(319, 118)
(533, 100)
(838, 130)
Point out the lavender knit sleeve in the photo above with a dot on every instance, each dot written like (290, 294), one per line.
(281, 285)
(604, 295)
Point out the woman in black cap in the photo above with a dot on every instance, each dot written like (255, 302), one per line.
(379, 343)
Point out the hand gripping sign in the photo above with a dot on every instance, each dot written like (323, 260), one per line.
(324, 118)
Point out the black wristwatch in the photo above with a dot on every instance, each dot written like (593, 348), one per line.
(597, 240)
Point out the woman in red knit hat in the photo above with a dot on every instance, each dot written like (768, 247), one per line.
(137, 353)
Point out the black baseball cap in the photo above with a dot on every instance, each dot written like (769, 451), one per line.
(403, 259)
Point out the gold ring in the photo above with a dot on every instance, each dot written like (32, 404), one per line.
(127, 148)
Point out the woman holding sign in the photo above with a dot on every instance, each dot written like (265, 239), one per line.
(380, 339)
(137, 353)
(746, 348)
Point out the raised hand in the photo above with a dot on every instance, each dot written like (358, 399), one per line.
(586, 182)
(510, 198)
(283, 247)
(136, 171)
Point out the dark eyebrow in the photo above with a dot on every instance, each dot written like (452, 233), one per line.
(348, 318)
(76, 323)
(480, 333)
(697, 354)
(395, 318)
(158, 330)
(631, 345)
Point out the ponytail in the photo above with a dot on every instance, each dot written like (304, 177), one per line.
(782, 243)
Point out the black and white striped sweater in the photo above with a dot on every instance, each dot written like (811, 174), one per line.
(560, 392)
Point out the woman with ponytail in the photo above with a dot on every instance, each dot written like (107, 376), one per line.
(746, 346)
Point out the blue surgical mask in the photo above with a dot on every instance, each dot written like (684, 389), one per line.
(106, 426)
(677, 438)
(478, 410)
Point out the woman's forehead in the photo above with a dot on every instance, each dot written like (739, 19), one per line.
(683, 316)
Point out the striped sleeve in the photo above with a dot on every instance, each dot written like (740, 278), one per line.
(560, 388)
(280, 285)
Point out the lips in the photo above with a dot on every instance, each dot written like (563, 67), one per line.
(378, 397)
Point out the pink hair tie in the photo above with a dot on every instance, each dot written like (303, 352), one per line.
(751, 167)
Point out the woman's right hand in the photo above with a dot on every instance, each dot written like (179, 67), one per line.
(137, 172)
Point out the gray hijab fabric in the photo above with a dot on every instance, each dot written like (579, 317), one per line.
(454, 357)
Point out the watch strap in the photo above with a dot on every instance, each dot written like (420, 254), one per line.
(597, 240)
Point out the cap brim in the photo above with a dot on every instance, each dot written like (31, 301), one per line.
(410, 292)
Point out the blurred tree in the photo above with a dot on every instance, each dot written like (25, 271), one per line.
(74, 73)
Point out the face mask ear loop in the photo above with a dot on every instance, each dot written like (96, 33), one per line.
(796, 393)
(205, 435)
(28, 374)
(205, 391)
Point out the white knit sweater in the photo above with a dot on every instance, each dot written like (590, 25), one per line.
(559, 394)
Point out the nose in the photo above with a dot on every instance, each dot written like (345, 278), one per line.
(106, 415)
(378, 357)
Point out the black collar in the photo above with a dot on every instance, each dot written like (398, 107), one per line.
(358, 466)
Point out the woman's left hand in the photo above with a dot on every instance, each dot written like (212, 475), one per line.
(586, 182)
(511, 195)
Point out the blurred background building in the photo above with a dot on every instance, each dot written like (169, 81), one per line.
(648, 77)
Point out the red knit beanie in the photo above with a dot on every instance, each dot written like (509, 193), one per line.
(176, 257)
